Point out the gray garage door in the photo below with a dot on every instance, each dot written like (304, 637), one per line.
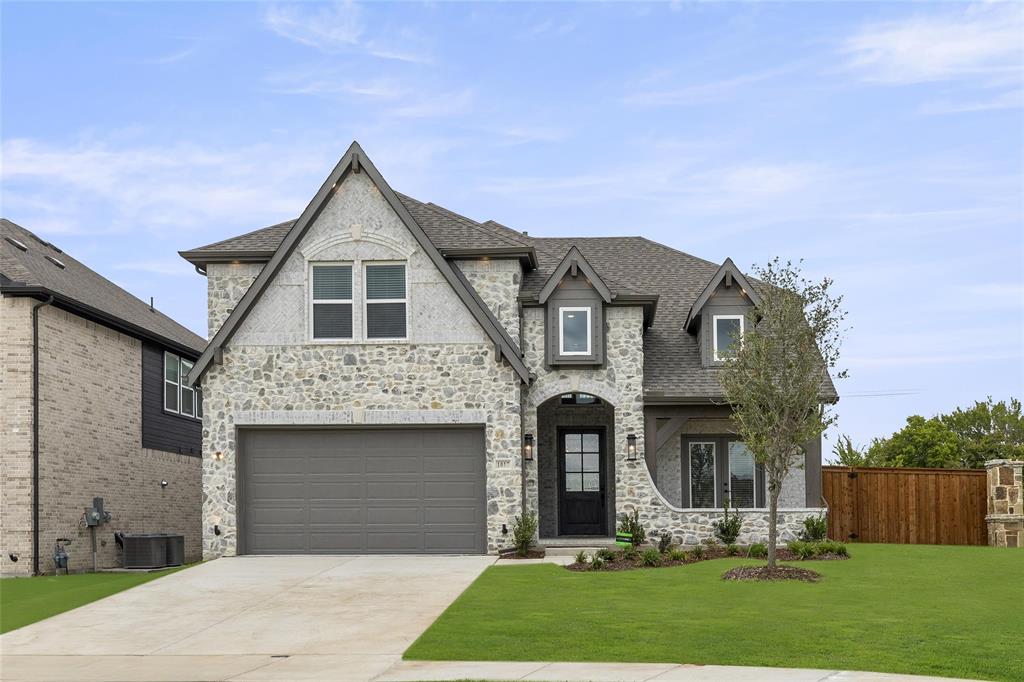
(340, 491)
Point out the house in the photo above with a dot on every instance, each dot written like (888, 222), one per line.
(385, 375)
(93, 406)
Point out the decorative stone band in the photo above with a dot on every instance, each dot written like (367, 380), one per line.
(1005, 517)
(357, 417)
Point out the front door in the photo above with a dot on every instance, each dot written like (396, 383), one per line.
(581, 478)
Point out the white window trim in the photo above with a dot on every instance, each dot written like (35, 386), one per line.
(714, 328)
(367, 302)
(561, 331)
(312, 300)
(176, 384)
(728, 454)
(714, 471)
(183, 389)
(180, 387)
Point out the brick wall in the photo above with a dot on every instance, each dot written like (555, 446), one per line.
(15, 435)
(90, 446)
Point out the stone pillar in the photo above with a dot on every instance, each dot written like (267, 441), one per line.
(1005, 517)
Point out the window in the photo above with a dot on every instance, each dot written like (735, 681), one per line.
(728, 333)
(179, 397)
(702, 474)
(742, 476)
(574, 331)
(385, 301)
(332, 301)
(580, 399)
(582, 462)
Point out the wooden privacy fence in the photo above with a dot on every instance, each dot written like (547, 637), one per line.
(911, 506)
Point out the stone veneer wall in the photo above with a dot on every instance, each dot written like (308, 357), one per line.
(226, 283)
(1005, 517)
(497, 282)
(273, 374)
(90, 445)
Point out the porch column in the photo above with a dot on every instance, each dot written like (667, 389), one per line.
(1005, 517)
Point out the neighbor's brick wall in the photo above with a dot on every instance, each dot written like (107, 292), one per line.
(15, 435)
(90, 430)
(1005, 517)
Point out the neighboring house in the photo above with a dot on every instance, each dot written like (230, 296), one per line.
(93, 408)
(385, 375)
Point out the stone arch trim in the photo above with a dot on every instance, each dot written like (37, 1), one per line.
(313, 250)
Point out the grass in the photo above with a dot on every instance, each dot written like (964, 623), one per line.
(947, 611)
(24, 601)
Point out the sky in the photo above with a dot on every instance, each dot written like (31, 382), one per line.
(880, 143)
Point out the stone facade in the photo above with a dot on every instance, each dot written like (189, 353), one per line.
(1005, 517)
(446, 372)
(226, 283)
(90, 443)
(497, 282)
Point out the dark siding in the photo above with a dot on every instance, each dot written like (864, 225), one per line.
(725, 301)
(163, 430)
(572, 293)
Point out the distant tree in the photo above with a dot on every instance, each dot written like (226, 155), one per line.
(773, 381)
(921, 443)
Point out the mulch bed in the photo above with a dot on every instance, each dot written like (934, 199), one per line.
(763, 573)
(621, 562)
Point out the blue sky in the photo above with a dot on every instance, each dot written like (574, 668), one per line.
(882, 143)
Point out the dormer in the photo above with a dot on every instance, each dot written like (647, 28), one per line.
(719, 315)
(574, 297)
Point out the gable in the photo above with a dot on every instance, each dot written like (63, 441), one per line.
(353, 163)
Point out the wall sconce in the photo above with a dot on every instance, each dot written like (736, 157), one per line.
(218, 456)
(163, 484)
(528, 447)
(631, 447)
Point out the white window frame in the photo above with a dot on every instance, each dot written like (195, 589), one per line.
(184, 388)
(728, 454)
(367, 302)
(561, 331)
(180, 387)
(351, 301)
(714, 330)
(177, 384)
(714, 471)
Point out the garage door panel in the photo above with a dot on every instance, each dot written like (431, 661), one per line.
(363, 490)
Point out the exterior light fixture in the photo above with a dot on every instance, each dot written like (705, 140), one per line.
(528, 447)
(218, 456)
(631, 447)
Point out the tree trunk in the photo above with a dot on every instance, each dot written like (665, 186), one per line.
(773, 530)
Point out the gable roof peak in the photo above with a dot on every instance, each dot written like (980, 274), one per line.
(727, 272)
(572, 263)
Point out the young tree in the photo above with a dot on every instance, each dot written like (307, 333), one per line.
(776, 378)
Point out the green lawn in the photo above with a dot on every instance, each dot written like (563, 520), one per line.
(950, 611)
(26, 600)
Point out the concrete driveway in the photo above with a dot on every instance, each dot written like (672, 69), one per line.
(247, 619)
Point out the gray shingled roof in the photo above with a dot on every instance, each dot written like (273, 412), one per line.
(30, 270)
(633, 266)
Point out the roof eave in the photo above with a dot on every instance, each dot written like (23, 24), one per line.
(201, 258)
(527, 256)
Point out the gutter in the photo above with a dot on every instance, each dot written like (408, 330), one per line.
(35, 431)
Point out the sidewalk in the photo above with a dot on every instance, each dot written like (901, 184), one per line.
(425, 671)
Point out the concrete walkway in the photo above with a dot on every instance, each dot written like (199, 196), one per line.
(247, 619)
(426, 671)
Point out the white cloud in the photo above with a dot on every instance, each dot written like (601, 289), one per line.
(172, 57)
(978, 41)
(427, 105)
(700, 93)
(1011, 99)
(176, 267)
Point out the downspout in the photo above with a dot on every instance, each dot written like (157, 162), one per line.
(35, 431)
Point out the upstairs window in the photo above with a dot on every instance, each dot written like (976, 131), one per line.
(728, 334)
(385, 301)
(179, 397)
(332, 301)
(574, 331)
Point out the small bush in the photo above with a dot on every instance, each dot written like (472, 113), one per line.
(815, 529)
(630, 553)
(605, 554)
(523, 530)
(698, 552)
(832, 547)
(631, 524)
(732, 550)
(757, 551)
(709, 542)
(581, 557)
(652, 557)
(596, 564)
(676, 554)
(802, 550)
(728, 528)
(664, 542)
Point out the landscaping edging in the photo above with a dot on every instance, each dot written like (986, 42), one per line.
(626, 560)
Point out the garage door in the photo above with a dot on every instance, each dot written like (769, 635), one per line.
(352, 491)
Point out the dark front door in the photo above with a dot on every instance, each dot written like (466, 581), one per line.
(581, 478)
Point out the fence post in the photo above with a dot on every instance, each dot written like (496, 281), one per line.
(1005, 517)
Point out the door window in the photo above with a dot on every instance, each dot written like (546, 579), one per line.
(582, 462)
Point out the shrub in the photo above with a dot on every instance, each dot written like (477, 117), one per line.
(698, 552)
(815, 529)
(802, 550)
(732, 550)
(630, 553)
(652, 557)
(676, 554)
(631, 524)
(665, 542)
(523, 530)
(832, 547)
(728, 528)
(757, 551)
(581, 557)
(596, 564)
(709, 542)
(605, 554)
